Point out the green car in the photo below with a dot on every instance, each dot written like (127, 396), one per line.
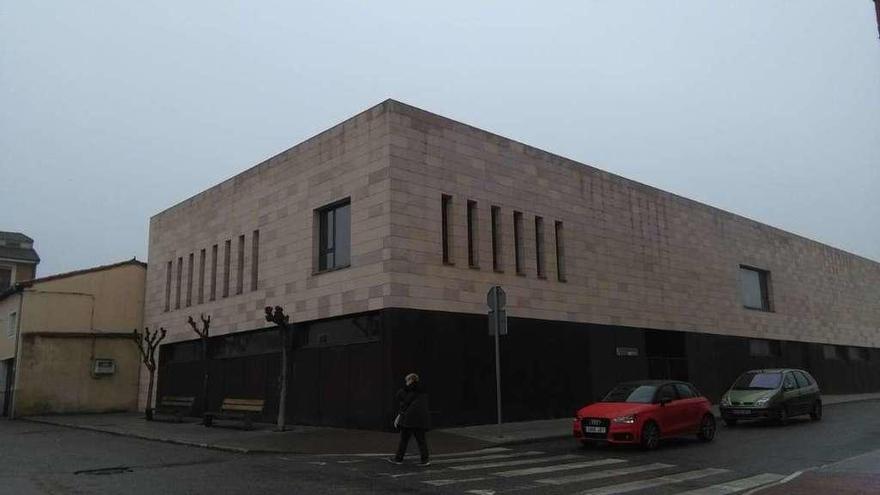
(776, 393)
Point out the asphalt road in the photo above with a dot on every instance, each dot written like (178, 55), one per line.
(43, 459)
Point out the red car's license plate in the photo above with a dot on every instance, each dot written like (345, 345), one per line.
(594, 429)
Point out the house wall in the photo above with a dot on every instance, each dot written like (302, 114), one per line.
(56, 374)
(635, 256)
(7, 341)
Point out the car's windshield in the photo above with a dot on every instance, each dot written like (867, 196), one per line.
(758, 381)
(631, 392)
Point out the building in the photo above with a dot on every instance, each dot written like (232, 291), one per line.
(18, 260)
(382, 235)
(67, 341)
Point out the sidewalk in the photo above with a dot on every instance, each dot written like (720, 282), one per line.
(530, 431)
(325, 440)
(262, 439)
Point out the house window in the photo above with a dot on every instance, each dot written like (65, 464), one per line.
(239, 288)
(213, 293)
(831, 352)
(179, 279)
(227, 258)
(255, 259)
(5, 278)
(445, 218)
(518, 242)
(539, 246)
(473, 241)
(168, 270)
(765, 348)
(12, 324)
(560, 253)
(189, 280)
(334, 236)
(201, 291)
(755, 288)
(497, 262)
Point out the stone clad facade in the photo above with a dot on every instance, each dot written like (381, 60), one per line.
(640, 268)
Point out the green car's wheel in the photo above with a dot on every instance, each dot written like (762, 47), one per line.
(650, 436)
(707, 428)
(783, 416)
(816, 413)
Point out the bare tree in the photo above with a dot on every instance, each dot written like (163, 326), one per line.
(282, 320)
(147, 344)
(203, 334)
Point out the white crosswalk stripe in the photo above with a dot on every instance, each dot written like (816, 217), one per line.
(453, 481)
(736, 485)
(518, 462)
(488, 450)
(486, 457)
(558, 467)
(608, 473)
(653, 482)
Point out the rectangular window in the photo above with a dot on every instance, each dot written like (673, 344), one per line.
(560, 253)
(755, 288)
(497, 250)
(831, 352)
(227, 259)
(518, 243)
(539, 246)
(858, 354)
(473, 240)
(5, 278)
(168, 270)
(189, 280)
(12, 325)
(765, 348)
(239, 288)
(334, 236)
(179, 280)
(213, 293)
(445, 218)
(255, 259)
(201, 291)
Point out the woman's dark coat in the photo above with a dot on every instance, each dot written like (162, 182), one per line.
(413, 407)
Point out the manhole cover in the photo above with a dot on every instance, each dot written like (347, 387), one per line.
(105, 471)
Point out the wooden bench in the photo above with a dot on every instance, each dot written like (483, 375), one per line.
(236, 409)
(176, 407)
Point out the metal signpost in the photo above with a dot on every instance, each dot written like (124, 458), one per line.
(497, 299)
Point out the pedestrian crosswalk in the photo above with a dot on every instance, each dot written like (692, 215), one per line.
(498, 470)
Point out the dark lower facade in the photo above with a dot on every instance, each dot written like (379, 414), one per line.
(345, 370)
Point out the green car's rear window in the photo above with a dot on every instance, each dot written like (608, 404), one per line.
(758, 381)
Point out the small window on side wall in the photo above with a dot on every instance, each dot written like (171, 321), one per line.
(334, 236)
(755, 288)
(765, 348)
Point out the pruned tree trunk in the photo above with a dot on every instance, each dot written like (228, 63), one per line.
(149, 407)
(147, 344)
(282, 399)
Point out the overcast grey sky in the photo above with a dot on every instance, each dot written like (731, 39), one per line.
(113, 111)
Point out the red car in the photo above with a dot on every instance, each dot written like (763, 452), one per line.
(644, 412)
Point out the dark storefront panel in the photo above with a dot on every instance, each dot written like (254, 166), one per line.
(347, 370)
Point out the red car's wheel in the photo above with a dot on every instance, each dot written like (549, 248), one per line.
(707, 428)
(650, 436)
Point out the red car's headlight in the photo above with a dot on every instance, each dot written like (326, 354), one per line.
(625, 419)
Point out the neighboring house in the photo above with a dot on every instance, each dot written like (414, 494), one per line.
(381, 236)
(18, 260)
(66, 341)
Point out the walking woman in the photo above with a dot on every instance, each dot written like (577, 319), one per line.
(413, 418)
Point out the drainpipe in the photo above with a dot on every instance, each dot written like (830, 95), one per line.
(17, 359)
